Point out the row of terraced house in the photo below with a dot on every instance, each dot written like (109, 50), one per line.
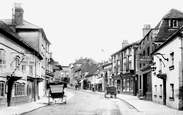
(26, 64)
(150, 68)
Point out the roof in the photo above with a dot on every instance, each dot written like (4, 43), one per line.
(18, 39)
(163, 28)
(163, 31)
(93, 70)
(172, 37)
(173, 13)
(127, 46)
(26, 25)
(57, 66)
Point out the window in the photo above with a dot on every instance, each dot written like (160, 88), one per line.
(19, 89)
(171, 61)
(124, 67)
(127, 85)
(30, 69)
(131, 84)
(124, 84)
(17, 62)
(160, 92)
(2, 89)
(23, 68)
(130, 65)
(171, 97)
(173, 23)
(155, 90)
(160, 66)
(2, 61)
(130, 51)
(124, 54)
(148, 51)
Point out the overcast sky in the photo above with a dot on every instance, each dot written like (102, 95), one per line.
(82, 28)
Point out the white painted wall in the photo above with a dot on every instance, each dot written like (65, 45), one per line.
(172, 75)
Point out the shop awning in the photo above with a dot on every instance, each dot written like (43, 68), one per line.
(14, 78)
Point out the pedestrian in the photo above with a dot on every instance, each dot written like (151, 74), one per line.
(93, 88)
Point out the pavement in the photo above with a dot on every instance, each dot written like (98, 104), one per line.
(139, 105)
(27, 107)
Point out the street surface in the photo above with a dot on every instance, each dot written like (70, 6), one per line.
(85, 103)
(90, 103)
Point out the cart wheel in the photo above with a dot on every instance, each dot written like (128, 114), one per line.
(65, 100)
(48, 100)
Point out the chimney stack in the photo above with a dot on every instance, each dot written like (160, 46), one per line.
(17, 14)
(146, 29)
(124, 43)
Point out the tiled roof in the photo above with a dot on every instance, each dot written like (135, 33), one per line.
(17, 38)
(173, 13)
(93, 70)
(163, 26)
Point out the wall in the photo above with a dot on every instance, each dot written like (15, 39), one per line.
(172, 75)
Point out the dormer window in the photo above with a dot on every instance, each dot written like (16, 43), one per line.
(173, 23)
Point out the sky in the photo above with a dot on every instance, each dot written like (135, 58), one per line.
(90, 28)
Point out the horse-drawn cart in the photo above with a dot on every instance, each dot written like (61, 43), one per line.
(56, 92)
(110, 90)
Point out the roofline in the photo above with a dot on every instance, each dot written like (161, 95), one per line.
(172, 37)
(127, 46)
(15, 35)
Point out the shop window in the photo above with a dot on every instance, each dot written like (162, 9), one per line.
(124, 84)
(160, 92)
(127, 85)
(19, 89)
(2, 88)
(171, 97)
(131, 84)
(2, 61)
(155, 90)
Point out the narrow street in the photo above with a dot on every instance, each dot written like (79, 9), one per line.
(86, 103)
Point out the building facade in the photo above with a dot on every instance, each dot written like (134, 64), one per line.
(35, 37)
(167, 76)
(128, 67)
(153, 38)
(19, 62)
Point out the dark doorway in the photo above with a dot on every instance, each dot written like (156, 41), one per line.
(144, 84)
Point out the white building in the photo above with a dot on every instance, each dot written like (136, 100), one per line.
(168, 72)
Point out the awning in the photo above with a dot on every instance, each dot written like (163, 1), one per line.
(30, 78)
(39, 79)
(162, 76)
(81, 80)
(99, 81)
(116, 77)
(14, 78)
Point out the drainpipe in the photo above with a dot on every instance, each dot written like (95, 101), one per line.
(181, 75)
